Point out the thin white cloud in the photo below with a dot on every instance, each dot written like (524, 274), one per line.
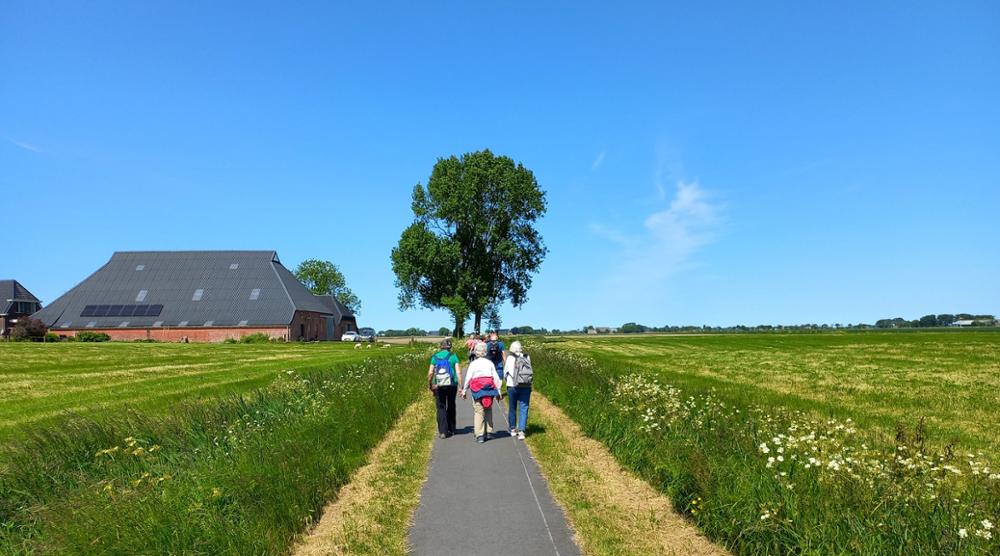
(597, 161)
(668, 239)
(26, 146)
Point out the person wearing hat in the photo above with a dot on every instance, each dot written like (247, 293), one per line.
(443, 377)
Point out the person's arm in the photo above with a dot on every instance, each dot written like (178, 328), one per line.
(468, 377)
(458, 371)
(508, 367)
(430, 375)
(496, 379)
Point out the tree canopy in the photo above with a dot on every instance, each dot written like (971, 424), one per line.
(324, 278)
(473, 243)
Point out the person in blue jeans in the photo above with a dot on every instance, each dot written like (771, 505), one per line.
(518, 390)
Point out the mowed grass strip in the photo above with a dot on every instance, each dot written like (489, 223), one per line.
(41, 381)
(373, 512)
(763, 478)
(951, 379)
(613, 512)
(241, 474)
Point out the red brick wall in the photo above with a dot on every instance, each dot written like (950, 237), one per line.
(177, 334)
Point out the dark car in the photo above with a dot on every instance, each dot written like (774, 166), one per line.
(366, 335)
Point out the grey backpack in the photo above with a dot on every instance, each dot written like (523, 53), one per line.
(523, 373)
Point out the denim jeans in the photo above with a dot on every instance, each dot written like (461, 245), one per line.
(517, 406)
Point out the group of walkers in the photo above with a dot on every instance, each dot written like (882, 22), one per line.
(491, 367)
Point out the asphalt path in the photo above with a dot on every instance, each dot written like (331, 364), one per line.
(487, 499)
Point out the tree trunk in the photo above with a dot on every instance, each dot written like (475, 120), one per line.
(459, 328)
(479, 319)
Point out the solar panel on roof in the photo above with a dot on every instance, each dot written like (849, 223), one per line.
(115, 311)
(123, 311)
(154, 310)
(140, 310)
(128, 311)
(88, 311)
(101, 310)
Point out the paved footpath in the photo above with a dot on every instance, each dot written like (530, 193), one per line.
(487, 499)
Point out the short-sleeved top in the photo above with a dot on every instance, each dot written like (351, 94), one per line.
(453, 360)
(499, 364)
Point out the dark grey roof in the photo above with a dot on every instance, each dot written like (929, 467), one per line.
(335, 307)
(11, 291)
(228, 281)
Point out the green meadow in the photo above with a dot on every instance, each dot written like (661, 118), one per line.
(834, 443)
(951, 379)
(186, 449)
(40, 382)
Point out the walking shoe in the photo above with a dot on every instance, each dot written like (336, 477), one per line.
(513, 432)
(442, 435)
(480, 439)
(520, 434)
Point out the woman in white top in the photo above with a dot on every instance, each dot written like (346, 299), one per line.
(482, 377)
(518, 393)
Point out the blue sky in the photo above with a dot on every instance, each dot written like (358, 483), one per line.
(717, 163)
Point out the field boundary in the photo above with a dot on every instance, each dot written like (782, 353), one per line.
(373, 511)
(611, 510)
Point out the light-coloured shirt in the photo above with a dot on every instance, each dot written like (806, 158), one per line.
(481, 367)
(508, 369)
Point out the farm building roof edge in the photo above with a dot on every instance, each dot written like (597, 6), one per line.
(12, 291)
(190, 288)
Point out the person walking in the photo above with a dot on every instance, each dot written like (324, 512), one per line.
(518, 374)
(443, 377)
(470, 345)
(495, 351)
(482, 380)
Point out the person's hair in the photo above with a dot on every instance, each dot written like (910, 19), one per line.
(446, 343)
(515, 347)
(494, 335)
(480, 349)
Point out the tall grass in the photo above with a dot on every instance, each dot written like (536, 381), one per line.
(772, 480)
(241, 475)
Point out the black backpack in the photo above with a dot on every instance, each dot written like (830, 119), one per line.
(493, 352)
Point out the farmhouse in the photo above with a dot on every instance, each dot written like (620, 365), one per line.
(15, 302)
(198, 296)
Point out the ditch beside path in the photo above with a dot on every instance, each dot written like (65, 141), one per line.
(487, 499)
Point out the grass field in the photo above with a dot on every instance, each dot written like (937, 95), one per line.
(41, 381)
(952, 379)
(193, 449)
(853, 443)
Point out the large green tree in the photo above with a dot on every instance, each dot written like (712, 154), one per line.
(324, 278)
(473, 243)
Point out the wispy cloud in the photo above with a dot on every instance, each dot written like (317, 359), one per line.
(26, 146)
(597, 161)
(668, 239)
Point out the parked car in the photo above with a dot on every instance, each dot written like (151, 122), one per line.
(366, 335)
(350, 336)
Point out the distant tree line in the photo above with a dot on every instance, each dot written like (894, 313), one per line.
(928, 321)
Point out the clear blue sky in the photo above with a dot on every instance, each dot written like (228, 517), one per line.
(712, 163)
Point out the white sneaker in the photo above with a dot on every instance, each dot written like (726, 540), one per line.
(513, 432)
(520, 435)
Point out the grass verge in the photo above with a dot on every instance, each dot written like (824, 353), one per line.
(773, 480)
(372, 513)
(613, 512)
(241, 475)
